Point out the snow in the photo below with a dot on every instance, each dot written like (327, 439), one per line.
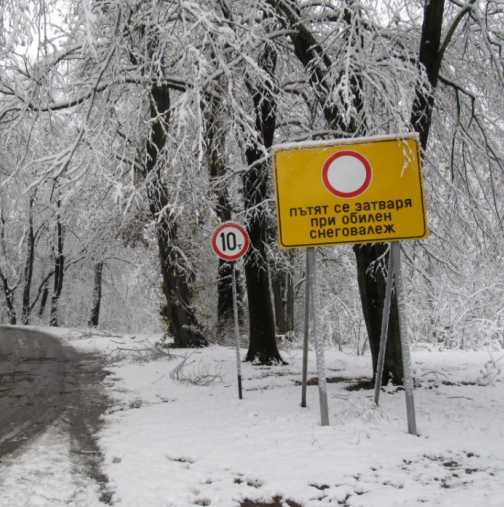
(170, 442)
(342, 141)
(46, 475)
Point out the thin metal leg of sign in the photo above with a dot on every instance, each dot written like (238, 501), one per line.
(237, 332)
(405, 351)
(308, 290)
(319, 346)
(384, 330)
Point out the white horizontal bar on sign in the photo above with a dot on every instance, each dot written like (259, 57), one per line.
(342, 141)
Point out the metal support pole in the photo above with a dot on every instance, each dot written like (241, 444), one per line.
(308, 289)
(405, 352)
(384, 330)
(237, 331)
(319, 346)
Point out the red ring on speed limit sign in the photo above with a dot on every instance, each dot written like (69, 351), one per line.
(230, 241)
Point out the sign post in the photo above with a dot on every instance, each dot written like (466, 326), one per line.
(230, 242)
(405, 352)
(319, 346)
(311, 316)
(237, 333)
(384, 329)
(306, 336)
(360, 190)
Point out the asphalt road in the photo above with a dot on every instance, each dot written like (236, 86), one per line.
(43, 382)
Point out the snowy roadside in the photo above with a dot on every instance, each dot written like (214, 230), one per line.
(171, 442)
(177, 444)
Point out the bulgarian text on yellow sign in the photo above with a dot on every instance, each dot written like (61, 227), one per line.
(349, 191)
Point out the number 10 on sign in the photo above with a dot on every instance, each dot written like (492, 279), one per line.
(230, 241)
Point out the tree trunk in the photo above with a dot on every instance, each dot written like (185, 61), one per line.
(178, 312)
(28, 270)
(262, 339)
(317, 64)
(430, 60)
(97, 295)
(59, 271)
(372, 283)
(43, 299)
(283, 294)
(215, 137)
(9, 294)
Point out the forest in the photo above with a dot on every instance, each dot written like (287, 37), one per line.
(130, 129)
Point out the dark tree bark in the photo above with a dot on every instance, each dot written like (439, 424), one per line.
(430, 56)
(317, 64)
(178, 311)
(59, 271)
(9, 292)
(94, 319)
(43, 298)
(262, 339)
(316, 61)
(282, 286)
(283, 295)
(372, 284)
(28, 270)
(430, 59)
(215, 137)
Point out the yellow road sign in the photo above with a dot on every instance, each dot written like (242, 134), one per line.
(360, 190)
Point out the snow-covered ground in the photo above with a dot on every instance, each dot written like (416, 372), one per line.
(179, 436)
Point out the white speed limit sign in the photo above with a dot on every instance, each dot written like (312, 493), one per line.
(230, 241)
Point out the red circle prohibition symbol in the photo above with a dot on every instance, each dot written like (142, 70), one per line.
(346, 174)
(230, 241)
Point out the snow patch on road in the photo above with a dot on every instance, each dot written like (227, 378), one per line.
(46, 474)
